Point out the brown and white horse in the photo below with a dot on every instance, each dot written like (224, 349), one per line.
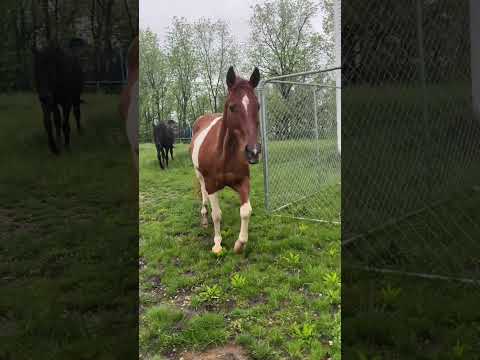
(223, 146)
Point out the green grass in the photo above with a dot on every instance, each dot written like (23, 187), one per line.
(68, 247)
(398, 317)
(278, 300)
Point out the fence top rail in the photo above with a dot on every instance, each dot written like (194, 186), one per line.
(282, 77)
(304, 84)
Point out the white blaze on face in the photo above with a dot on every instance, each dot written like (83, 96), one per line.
(199, 141)
(245, 102)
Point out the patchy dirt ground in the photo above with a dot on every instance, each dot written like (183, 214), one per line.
(230, 352)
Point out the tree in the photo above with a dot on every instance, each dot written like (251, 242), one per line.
(183, 65)
(216, 52)
(154, 77)
(282, 40)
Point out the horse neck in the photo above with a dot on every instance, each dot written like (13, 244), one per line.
(227, 143)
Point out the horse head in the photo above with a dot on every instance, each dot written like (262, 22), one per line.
(241, 112)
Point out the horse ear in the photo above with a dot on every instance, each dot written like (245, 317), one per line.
(231, 77)
(255, 78)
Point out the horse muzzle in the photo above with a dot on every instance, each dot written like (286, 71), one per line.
(253, 153)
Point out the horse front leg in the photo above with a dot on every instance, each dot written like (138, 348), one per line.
(216, 218)
(159, 156)
(47, 122)
(245, 213)
(165, 155)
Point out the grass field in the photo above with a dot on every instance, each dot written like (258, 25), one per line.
(68, 242)
(401, 317)
(280, 300)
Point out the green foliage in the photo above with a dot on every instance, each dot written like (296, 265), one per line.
(305, 332)
(291, 259)
(210, 294)
(331, 280)
(238, 281)
(283, 40)
(390, 294)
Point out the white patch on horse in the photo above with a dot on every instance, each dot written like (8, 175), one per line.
(199, 141)
(245, 102)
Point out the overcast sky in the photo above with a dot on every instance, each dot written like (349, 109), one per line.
(158, 14)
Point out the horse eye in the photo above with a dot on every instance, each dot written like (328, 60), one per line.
(258, 106)
(232, 108)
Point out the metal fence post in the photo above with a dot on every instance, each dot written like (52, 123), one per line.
(264, 135)
(315, 116)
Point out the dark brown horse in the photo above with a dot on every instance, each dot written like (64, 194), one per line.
(223, 146)
(59, 83)
(164, 139)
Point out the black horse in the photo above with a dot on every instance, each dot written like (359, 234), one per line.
(59, 83)
(164, 138)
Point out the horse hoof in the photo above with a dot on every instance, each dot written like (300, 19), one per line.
(204, 223)
(239, 246)
(217, 250)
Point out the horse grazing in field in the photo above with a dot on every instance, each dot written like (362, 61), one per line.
(59, 83)
(129, 100)
(164, 138)
(223, 147)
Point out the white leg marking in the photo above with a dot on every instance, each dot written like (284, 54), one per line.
(245, 102)
(245, 212)
(217, 218)
(199, 141)
(204, 197)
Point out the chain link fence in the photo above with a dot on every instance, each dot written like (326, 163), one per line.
(411, 166)
(301, 146)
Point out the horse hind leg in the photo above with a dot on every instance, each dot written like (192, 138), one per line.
(203, 211)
